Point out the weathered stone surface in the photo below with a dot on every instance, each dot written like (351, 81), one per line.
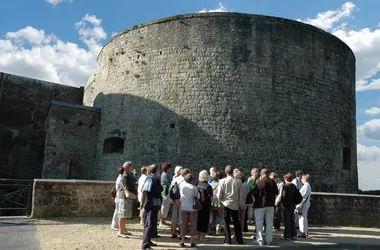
(66, 198)
(70, 149)
(222, 88)
(24, 104)
(344, 210)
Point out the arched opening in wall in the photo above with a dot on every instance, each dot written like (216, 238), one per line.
(346, 158)
(113, 145)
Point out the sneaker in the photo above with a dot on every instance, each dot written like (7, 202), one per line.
(122, 235)
(115, 229)
(126, 233)
(193, 245)
(258, 243)
(182, 244)
(227, 243)
(301, 235)
(163, 225)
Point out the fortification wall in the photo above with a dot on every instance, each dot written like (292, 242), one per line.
(344, 210)
(71, 137)
(66, 198)
(24, 104)
(222, 88)
(70, 198)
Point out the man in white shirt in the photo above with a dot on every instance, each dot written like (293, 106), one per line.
(298, 180)
(228, 194)
(303, 207)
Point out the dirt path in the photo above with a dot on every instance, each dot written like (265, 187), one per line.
(95, 233)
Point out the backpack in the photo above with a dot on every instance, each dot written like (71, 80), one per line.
(174, 193)
(249, 199)
(298, 197)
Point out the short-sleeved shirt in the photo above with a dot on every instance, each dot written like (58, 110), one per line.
(148, 184)
(188, 192)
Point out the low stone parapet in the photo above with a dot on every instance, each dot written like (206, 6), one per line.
(344, 210)
(67, 198)
(84, 198)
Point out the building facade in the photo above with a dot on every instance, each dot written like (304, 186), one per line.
(213, 89)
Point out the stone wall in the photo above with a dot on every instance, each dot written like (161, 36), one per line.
(66, 198)
(213, 89)
(59, 198)
(71, 137)
(24, 104)
(21, 153)
(344, 210)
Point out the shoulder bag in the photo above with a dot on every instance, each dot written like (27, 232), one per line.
(128, 195)
(197, 204)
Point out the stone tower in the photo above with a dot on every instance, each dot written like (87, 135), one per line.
(212, 89)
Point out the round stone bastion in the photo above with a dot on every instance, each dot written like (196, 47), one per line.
(217, 89)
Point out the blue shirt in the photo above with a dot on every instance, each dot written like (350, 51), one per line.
(148, 185)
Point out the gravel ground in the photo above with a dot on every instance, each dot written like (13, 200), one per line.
(95, 233)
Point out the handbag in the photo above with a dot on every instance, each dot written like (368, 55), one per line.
(128, 195)
(299, 208)
(156, 202)
(113, 192)
(197, 204)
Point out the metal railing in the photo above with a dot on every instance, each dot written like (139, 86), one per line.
(15, 197)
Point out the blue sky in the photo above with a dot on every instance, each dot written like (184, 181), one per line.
(59, 40)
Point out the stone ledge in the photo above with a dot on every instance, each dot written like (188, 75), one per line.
(225, 14)
(72, 181)
(346, 195)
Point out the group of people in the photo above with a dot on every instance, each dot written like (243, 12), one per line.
(198, 206)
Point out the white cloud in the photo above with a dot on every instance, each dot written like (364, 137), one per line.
(31, 35)
(368, 167)
(33, 53)
(368, 154)
(326, 20)
(55, 2)
(370, 130)
(373, 111)
(90, 31)
(364, 42)
(221, 8)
